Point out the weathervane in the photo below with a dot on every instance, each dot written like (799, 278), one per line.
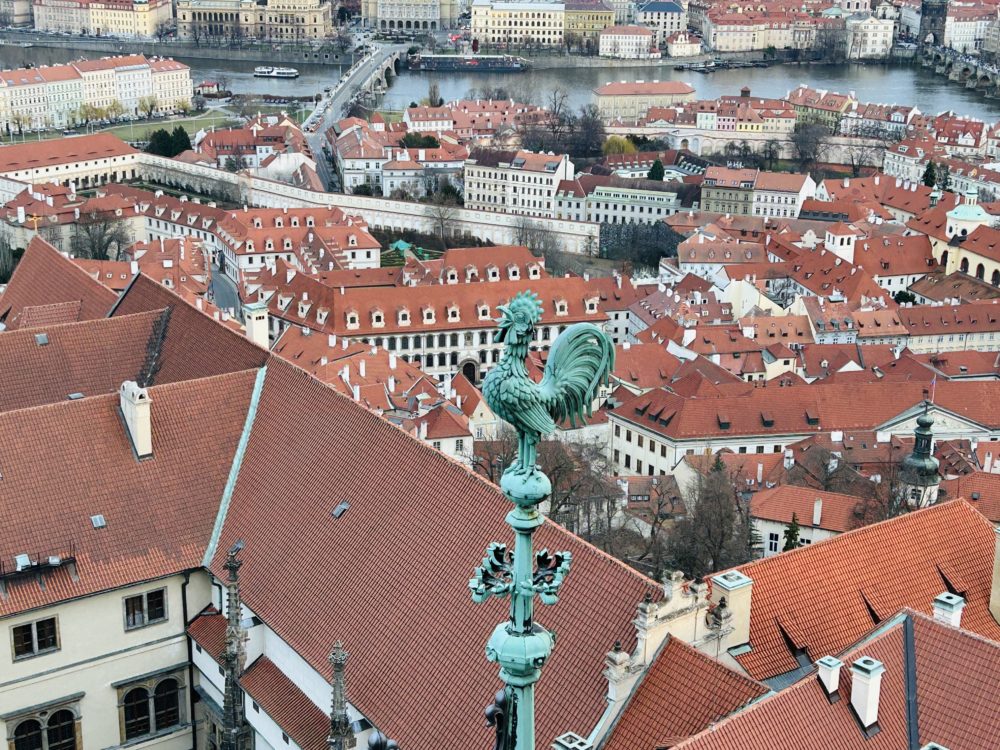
(579, 362)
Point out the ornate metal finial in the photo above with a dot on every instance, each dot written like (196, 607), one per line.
(379, 741)
(341, 735)
(579, 363)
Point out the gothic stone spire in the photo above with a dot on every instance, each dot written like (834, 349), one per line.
(234, 728)
(341, 732)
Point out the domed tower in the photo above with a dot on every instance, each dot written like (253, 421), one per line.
(919, 472)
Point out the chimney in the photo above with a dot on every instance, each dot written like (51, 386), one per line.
(733, 590)
(423, 430)
(21, 218)
(392, 361)
(948, 609)
(866, 684)
(995, 587)
(255, 318)
(392, 384)
(789, 461)
(356, 392)
(817, 511)
(331, 340)
(760, 474)
(828, 672)
(361, 367)
(135, 406)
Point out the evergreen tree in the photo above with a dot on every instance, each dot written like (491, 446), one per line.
(160, 143)
(180, 140)
(656, 171)
(792, 535)
(943, 175)
(930, 179)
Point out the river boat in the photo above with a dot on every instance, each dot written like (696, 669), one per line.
(266, 71)
(469, 63)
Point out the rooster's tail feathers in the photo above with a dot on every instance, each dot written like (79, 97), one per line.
(579, 362)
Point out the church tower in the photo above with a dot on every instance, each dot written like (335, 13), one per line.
(919, 473)
(341, 731)
(932, 19)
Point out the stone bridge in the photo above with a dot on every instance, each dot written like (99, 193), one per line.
(963, 69)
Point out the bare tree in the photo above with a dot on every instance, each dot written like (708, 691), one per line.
(443, 210)
(810, 143)
(148, 105)
(100, 237)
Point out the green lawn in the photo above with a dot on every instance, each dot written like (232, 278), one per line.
(139, 131)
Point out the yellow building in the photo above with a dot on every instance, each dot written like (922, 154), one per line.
(586, 19)
(518, 24)
(630, 100)
(129, 17)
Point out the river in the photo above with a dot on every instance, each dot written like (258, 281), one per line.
(886, 84)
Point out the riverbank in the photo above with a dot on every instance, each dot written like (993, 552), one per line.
(242, 51)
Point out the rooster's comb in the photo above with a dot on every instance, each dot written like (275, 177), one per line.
(526, 304)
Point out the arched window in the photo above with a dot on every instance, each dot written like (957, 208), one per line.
(28, 735)
(61, 731)
(944, 259)
(964, 265)
(996, 278)
(136, 705)
(166, 704)
(980, 271)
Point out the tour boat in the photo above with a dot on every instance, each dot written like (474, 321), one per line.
(266, 71)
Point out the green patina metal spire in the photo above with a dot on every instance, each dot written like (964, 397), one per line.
(579, 362)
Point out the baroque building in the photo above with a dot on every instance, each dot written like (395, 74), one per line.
(280, 20)
(429, 15)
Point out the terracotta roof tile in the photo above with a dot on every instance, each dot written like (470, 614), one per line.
(76, 456)
(45, 277)
(208, 630)
(682, 693)
(282, 501)
(819, 591)
(288, 706)
(780, 503)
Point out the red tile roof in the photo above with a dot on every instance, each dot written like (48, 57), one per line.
(194, 346)
(22, 156)
(780, 503)
(92, 358)
(981, 489)
(282, 503)
(208, 630)
(76, 456)
(45, 277)
(821, 597)
(288, 706)
(682, 693)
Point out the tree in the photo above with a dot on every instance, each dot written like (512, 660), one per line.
(99, 237)
(771, 152)
(198, 103)
(8, 260)
(443, 211)
(589, 132)
(943, 174)
(809, 144)
(87, 113)
(717, 531)
(160, 143)
(413, 139)
(235, 163)
(792, 535)
(180, 140)
(535, 235)
(434, 95)
(929, 178)
(903, 297)
(162, 30)
(615, 144)
(656, 172)
(148, 105)
(363, 189)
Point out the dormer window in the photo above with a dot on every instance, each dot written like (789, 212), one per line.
(257, 223)
(310, 221)
(303, 309)
(269, 245)
(352, 320)
(403, 317)
(352, 240)
(591, 305)
(452, 276)
(493, 273)
(514, 273)
(321, 315)
(470, 274)
(534, 272)
(295, 221)
(484, 311)
(561, 307)
(453, 312)
(378, 320)
(279, 222)
(428, 315)
(287, 244)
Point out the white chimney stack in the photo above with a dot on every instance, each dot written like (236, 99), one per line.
(789, 461)
(828, 672)
(331, 340)
(423, 430)
(866, 685)
(760, 473)
(135, 405)
(817, 511)
(392, 361)
(356, 392)
(361, 367)
(948, 609)
(392, 384)
(255, 319)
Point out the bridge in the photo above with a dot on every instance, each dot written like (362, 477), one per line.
(967, 70)
(371, 74)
